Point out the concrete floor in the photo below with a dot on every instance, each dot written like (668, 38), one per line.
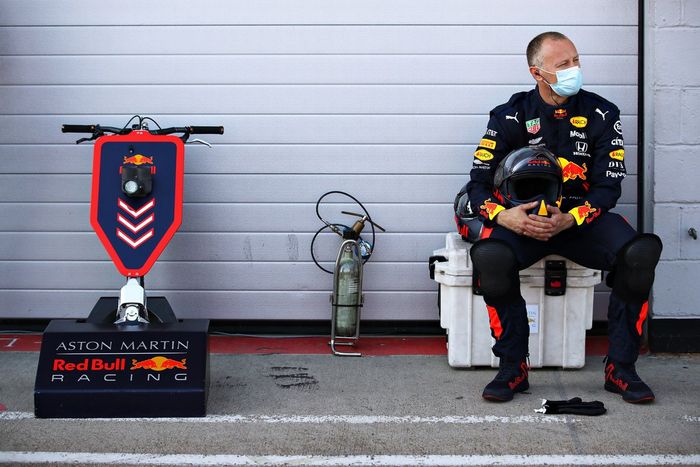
(389, 410)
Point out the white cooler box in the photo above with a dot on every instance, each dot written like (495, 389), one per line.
(558, 324)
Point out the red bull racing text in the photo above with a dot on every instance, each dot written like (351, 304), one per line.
(86, 361)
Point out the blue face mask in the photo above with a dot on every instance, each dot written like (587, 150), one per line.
(568, 83)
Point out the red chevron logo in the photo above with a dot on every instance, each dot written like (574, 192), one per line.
(139, 213)
(134, 243)
(134, 228)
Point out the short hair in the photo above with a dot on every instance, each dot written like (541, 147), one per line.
(534, 48)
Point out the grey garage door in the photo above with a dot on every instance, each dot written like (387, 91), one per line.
(383, 99)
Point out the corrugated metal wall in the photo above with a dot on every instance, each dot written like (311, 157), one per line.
(383, 99)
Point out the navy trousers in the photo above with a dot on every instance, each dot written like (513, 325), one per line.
(592, 245)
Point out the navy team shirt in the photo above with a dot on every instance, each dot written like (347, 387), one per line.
(585, 134)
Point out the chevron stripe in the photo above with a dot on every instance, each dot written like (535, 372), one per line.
(139, 213)
(134, 243)
(134, 228)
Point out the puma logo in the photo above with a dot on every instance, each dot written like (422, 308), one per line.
(601, 113)
(513, 117)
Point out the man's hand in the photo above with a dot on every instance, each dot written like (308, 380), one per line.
(517, 220)
(559, 220)
(540, 228)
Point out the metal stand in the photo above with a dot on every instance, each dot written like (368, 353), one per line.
(104, 311)
(346, 341)
(347, 245)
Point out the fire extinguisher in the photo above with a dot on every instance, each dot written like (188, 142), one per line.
(347, 298)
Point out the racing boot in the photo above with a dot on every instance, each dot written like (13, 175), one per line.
(511, 378)
(623, 379)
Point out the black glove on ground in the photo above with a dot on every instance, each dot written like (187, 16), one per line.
(572, 406)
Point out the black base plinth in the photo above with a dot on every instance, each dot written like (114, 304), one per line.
(89, 370)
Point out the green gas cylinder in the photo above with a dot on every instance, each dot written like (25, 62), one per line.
(347, 292)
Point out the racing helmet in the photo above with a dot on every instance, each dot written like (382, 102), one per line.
(531, 173)
(469, 224)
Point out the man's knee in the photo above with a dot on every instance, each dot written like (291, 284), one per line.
(497, 268)
(633, 273)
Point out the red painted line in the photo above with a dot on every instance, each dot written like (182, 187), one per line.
(275, 345)
(3, 408)
(597, 345)
(20, 342)
(251, 345)
(319, 345)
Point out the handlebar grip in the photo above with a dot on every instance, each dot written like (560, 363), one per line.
(78, 128)
(203, 130)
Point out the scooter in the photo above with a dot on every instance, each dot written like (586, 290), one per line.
(136, 205)
(131, 357)
(347, 298)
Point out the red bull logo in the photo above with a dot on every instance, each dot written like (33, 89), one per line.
(89, 364)
(559, 113)
(585, 210)
(571, 170)
(580, 213)
(158, 364)
(490, 209)
(138, 159)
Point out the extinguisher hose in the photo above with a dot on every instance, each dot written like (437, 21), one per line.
(336, 227)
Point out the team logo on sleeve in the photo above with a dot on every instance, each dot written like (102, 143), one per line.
(582, 212)
(618, 154)
(579, 122)
(487, 143)
(618, 127)
(483, 155)
(533, 126)
(490, 209)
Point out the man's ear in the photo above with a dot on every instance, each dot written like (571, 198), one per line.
(535, 73)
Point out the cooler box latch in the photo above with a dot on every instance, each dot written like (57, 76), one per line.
(431, 264)
(554, 277)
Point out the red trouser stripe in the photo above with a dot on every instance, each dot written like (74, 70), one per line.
(642, 316)
(495, 322)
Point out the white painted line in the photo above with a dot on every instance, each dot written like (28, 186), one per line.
(11, 342)
(330, 419)
(383, 460)
(15, 415)
(690, 418)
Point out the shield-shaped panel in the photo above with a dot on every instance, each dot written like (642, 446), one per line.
(135, 229)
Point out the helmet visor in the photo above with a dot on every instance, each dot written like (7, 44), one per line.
(529, 187)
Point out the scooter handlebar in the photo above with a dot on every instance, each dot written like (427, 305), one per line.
(99, 130)
(78, 128)
(205, 130)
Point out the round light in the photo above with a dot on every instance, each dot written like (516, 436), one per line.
(131, 187)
